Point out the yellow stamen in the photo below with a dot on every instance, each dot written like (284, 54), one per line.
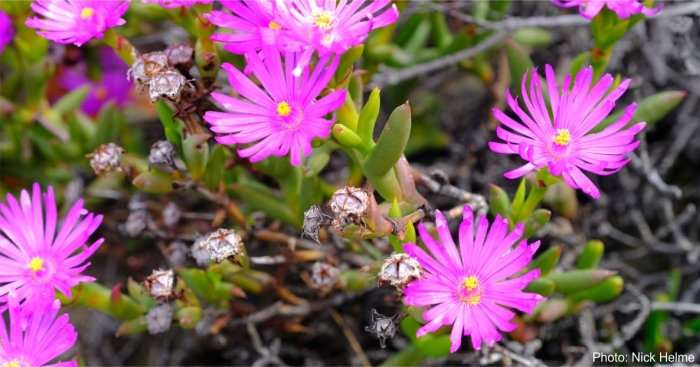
(563, 138)
(87, 13)
(474, 300)
(284, 109)
(36, 264)
(11, 364)
(470, 283)
(274, 25)
(323, 20)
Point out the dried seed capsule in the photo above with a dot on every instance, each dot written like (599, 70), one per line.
(180, 56)
(200, 252)
(162, 152)
(167, 84)
(158, 319)
(399, 270)
(177, 251)
(136, 223)
(349, 205)
(160, 284)
(147, 66)
(223, 244)
(106, 158)
(171, 214)
(382, 326)
(314, 219)
(324, 277)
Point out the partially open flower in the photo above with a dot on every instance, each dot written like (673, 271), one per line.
(383, 327)
(224, 244)
(162, 152)
(106, 158)
(160, 284)
(167, 84)
(350, 205)
(324, 277)
(158, 319)
(399, 270)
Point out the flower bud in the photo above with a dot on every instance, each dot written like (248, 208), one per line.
(324, 277)
(200, 252)
(180, 57)
(106, 158)
(223, 244)
(350, 206)
(382, 326)
(160, 284)
(167, 84)
(162, 152)
(171, 214)
(158, 319)
(314, 219)
(399, 270)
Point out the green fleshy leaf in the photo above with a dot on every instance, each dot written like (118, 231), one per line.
(591, 255)
(499, 202)
(154, 182)
(69, 102)
(541, 286)
(195, 150)
(577, 280)
(368, 118)
(547, 261)
(603, 292)
(391, 143)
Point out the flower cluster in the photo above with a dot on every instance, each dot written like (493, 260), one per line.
(172, 4)
(467, 286)
(34, 262)
(279, 40)
(623, 8)
(563, 142)
(76, 22)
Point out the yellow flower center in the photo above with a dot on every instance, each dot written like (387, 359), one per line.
(36, 264)
(284, 109)
(87, 13)
(11, 364)
(470, 283)
(323, 20)
(274, 25)
(563, 137)
(469, 291)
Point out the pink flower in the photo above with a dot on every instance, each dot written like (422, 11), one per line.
(469, 287)
(73, 21)
(112, 86)
(565, 145)
(33, 258)
(43, 339)
(329, 26)
(624, 8)
(6, 31)
(247, 19)
(172, 4)
(285, 117)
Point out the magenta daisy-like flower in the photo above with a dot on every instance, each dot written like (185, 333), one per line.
(285, 117)
(44, 338)
(467, 287)
(248, 18)
(6, 31)
(33, 258)
(624, 8)
(328, 26)
(73, 21)
(172, 4)
(113, 86)
(565, 146)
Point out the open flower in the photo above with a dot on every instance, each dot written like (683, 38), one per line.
(467, 286)
(330, 27)
(247, 19)
(285, 117)
(73, 21)
(6, 31)
(41, 341)
(623, 8)
(565, 145)
(113, 85)
(33, 258)
(172, 4)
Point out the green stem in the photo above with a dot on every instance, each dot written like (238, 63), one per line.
(409, 356)
(121, 46)
(533, 199)
(599, 60)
